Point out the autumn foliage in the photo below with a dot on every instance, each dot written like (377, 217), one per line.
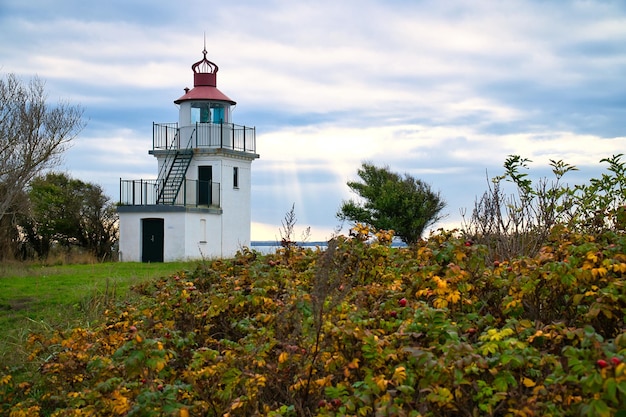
(360, 328)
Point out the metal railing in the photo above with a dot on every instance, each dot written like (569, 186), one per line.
(193, 193)
(166, 136)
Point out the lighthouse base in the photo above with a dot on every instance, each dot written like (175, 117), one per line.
(161, 233)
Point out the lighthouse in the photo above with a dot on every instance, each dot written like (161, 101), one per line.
(199, 205)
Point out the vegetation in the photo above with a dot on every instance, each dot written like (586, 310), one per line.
(519, 224)
(392, 202)
(33, 136)
(358, 329)
(520, 314)
(69, 213)
(38, 298)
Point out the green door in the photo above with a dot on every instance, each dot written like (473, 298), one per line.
(205, 177)
(152, 232)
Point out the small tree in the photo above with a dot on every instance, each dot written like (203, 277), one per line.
(69, 212)
(393, 202)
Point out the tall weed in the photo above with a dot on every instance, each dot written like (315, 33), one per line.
(519, 224)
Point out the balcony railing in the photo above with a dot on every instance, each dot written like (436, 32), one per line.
(168, 136)
(193, 193)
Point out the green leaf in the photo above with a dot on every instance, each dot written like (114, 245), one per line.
(599, 409)
(610, 386)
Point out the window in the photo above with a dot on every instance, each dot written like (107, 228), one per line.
(207, 112)
(202, 230)
(235, 177)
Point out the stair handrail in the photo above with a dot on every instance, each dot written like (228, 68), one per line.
(170, 149)
(169, 164)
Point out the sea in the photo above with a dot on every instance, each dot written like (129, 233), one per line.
(267, 247)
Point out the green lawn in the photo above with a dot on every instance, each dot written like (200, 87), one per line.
(41, 298)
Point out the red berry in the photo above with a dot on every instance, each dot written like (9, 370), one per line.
(402, 302)
(468, 243)
(336, 402)
(602, 363)
(496, 263)
(393, 314)
(133, 329)
(616, 361)
(321, 403)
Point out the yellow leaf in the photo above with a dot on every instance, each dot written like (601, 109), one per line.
(454, 297)
(138, 338)
(441, 284)
(425, 292)
(528, 382)
(440, 303)
(184, 412)
(599, 272)
(381, 382)
(120, 403)
(399, 374)
(323, 382)
(283, 357)
(236, 404)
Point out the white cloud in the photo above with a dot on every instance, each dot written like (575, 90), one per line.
(442, 90)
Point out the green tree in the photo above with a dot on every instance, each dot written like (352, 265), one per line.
(391, 201)
(69, 212)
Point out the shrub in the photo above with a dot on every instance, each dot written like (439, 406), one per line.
(359, 329)
(519, 224)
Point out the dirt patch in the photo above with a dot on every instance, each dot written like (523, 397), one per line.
(17, 304)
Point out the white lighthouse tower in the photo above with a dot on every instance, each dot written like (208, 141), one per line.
(199, 204)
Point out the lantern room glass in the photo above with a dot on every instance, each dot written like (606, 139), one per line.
(207, 112)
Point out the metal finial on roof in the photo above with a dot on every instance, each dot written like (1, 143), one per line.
(205, 66)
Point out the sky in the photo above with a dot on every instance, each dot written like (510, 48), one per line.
(441, 90)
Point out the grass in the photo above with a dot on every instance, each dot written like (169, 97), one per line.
(35, 298)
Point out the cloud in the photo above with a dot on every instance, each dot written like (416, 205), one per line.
(441, 90)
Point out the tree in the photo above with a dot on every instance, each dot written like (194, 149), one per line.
(71, 213)
(33, 136)
(392, 202)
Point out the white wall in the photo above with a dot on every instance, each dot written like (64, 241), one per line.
(130, 237)
(187, 235)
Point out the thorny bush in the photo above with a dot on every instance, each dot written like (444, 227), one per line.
(360, 329)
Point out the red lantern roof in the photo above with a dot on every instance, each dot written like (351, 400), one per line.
(204, 83)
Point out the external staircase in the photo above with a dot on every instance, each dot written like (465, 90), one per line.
(172, 174)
